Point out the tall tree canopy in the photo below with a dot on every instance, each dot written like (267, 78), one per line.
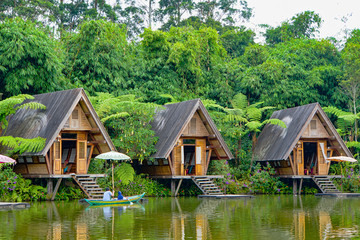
(30, 61)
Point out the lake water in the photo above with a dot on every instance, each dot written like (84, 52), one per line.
(262, 217)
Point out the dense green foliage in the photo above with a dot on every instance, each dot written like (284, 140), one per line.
(15, 188)
(198, 52)
(14, 145)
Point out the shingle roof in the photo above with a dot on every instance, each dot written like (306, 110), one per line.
(169, 123)
(276, 143)
(27, 123)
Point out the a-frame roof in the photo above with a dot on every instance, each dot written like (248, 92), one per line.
(27, 123)
(276, 143)
(170, 122)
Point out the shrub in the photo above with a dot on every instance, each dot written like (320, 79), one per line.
(15, 188)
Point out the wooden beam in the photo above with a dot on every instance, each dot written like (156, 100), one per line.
(171, 166)
(301, 182)
(56, 189)
(97, 142)
(294, 186)
(208, 161)
(178, 187)
(89, 157)
(291, 163)
(48, 164)
(173, 187)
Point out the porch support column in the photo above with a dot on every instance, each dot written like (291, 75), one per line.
(295, 186)
(173, 183)
(301, 182)
(49, 186)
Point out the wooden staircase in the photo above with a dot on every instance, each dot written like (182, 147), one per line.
(325, 184)
(89, 186)
(206, 185)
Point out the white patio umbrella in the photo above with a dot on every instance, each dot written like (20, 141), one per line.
(341, 159)
(6, 159)
(113, 156)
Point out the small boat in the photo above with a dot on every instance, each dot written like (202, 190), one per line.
(128, 200)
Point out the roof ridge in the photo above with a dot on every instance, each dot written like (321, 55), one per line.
(73, 89)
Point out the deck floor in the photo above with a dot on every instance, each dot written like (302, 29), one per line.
(338, 194)
(12, 205)
(226, 196)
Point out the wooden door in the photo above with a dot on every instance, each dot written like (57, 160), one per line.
(57, 157)
(81, 150)
(200, 155)
(322, 164)
(300, 158)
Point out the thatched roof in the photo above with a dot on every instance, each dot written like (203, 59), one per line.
(276, 143)
(170, 122)
(48, 123)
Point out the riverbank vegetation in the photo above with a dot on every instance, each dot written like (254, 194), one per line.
(130, 69)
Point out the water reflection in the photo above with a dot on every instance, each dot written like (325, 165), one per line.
(264, 217)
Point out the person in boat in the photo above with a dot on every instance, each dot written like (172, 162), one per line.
(121, 197)
(107, 195)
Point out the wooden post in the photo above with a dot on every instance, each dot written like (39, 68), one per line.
(56, 189)
(295, 186)
(49, 186)
(178, 187)
(172, 187)
(301, 182)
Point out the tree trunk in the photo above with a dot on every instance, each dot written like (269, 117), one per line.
(150, 13)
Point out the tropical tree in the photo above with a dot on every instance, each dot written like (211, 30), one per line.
(247, 121)
(17, 144)
(127, 121)
(30, 61)
(302, 25)
(97, 56)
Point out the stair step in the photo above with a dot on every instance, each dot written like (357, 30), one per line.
(88, 182)
(85, 179)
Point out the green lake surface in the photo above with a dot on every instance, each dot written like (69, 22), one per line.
(262, 217)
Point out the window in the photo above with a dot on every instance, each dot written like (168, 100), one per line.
(69, 135)
(188, 141)
(313, 124)
(75, 114)
(193, 126)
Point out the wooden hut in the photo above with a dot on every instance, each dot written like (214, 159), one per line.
(73, 132)
(187, 141)
(301, 149)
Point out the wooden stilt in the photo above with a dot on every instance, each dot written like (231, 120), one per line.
(173, 187)
(301, 182)
(295, 186)
(49, 186)
(56, 189)
(178, 187)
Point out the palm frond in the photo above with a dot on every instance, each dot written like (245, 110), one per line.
(275, 121)
(335, 111)
(239, 101)
(22, 145)
(353, 144)
(125, 172)
(254, 114)
(235, 118)
(115, 116)
(253, 126)
(211, 104)
(31, 105)
(169, 97)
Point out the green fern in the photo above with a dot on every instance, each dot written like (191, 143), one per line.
(275, 121)
(22, 145)
(115, 116)
(124, 172)
(239, 101)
